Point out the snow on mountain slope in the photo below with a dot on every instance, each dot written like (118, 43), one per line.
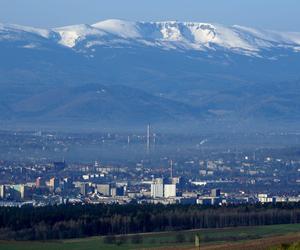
(125, 29)
(189, 35)
(10, 31)
(264, 38)
(165, 35)
(70, 35)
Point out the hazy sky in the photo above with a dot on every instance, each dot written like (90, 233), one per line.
(271, 14)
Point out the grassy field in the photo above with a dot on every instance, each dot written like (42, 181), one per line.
(182, 239)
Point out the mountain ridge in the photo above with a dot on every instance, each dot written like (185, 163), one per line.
(167, 72)
(167, 35)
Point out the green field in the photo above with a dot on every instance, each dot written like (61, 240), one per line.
(209, 236)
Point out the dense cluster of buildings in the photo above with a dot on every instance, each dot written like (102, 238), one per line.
(189, 177)
(94, 188)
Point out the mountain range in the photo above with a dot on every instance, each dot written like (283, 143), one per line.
(122, 73)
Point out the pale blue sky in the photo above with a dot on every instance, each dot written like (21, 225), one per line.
(271, 14)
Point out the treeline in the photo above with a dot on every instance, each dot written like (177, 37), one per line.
(70, 221)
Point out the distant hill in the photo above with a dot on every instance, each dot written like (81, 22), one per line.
(120, 72)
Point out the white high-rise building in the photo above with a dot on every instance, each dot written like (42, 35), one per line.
(2, 191)
(169, 190)
(157, 190)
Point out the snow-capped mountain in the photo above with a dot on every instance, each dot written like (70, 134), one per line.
(118, 72)
(165, 35)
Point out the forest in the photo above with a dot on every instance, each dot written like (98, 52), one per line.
(72, 221)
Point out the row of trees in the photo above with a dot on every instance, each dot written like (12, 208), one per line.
(71, 221)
